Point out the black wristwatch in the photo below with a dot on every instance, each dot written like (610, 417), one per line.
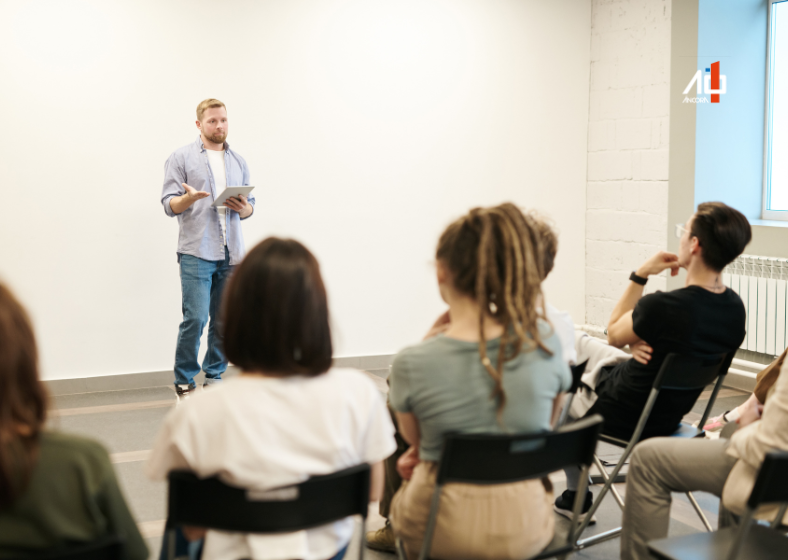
(638, 279)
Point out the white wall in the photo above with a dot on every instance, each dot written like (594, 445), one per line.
(367, 125)
(627, 147)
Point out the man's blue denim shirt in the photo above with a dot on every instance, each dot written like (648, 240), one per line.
(200, 230)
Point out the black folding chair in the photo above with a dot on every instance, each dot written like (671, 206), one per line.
(106, 548)
(500, 459)
(211, 504)
(677, 373)
(749, 541)
(577, 373)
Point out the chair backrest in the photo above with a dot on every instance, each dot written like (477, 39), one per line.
(686, 372)
(577, 372)
(107, 548)
(497, 459)
(212, 504)
(771, 486)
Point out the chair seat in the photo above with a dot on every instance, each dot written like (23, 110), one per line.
(761, 543)
(684, 431)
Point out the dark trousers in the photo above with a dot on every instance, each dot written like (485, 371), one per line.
(393, 480)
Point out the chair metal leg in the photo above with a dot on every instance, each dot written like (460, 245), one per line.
(596, 539)
(170, 536)
(431, 521)
(606, 478)
(578, 507)
(652, 398)
(700, 513)
(741, 534)
(712, 399)
(362, 539)
(620, 479)
(399, 548)
(780, 514)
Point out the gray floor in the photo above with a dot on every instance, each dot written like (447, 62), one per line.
(127, 422)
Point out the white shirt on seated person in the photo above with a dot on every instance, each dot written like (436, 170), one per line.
(262, 433)
(565, 329)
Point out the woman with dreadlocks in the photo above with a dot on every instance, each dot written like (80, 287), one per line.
(497, 368)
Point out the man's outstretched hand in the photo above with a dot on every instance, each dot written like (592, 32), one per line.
(659, 262)
(193, 194)
(182, 203)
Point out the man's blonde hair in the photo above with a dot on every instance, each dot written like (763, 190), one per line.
(208, 104)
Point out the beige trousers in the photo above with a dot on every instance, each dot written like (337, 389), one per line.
(505, 521)
(658, 467)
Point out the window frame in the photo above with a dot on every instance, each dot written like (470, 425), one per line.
(766, 213)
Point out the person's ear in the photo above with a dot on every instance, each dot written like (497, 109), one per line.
(441, 272)
(199, 125)
(694, 246)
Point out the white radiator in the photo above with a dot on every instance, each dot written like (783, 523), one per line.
(762, 284)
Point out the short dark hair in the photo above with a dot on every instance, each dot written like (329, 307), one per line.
(275, 311)
(723, 233)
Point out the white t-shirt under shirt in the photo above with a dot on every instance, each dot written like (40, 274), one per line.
(216, 159)
(565, 329)
(262, 433)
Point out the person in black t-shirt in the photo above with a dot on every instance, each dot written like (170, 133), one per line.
(703, 318)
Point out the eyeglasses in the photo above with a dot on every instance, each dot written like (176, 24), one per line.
(680, 230)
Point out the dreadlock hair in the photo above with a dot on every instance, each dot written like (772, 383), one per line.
(495, 255)
(549, 240)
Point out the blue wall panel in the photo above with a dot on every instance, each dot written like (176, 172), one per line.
(729, 134)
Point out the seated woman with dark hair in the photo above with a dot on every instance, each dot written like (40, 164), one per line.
(57, 491)
(496, 368)
(289, 415)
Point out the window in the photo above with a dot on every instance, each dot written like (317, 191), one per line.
(775, 195)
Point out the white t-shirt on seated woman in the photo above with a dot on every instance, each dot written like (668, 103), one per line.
(262, 432)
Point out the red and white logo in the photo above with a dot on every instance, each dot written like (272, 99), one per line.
(710, 82)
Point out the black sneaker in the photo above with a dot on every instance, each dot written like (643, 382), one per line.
(184, 391)
(565, 503)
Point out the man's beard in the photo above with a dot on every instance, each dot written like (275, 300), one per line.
(217, 138)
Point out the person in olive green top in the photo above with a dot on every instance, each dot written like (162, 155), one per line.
(57, 491)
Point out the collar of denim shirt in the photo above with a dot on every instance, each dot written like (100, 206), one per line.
(199, 142)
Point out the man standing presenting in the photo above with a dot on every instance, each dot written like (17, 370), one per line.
(210, 242)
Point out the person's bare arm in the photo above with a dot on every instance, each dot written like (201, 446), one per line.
(377, 479)
(409, 428)
(558, 404)
(620, 331)
(180, 204)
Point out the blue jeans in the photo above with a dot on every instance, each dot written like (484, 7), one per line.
(202, 283)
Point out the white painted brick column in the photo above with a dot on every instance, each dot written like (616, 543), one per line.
(627, 189)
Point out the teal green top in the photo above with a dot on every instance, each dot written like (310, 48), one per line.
(73, 497)
(444, 384)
